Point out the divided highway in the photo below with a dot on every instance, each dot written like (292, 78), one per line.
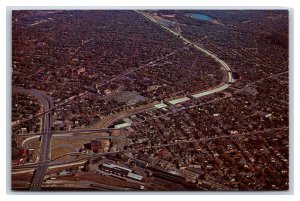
(224, 66)
(43, 161)
(47, 122)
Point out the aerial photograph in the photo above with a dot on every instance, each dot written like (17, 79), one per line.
(149, 100)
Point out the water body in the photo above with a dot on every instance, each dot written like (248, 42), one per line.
(199, 16)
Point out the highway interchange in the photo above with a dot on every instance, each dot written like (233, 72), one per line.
(44, 160)
(47, 122)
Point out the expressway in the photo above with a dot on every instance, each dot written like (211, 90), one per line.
(54, 164)
(47, 122)
(224, 66)
(46, 134)
(54, 133)
(67, 101)
(71, 136)
(186, 41)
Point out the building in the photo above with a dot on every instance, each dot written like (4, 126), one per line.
(120, 171)
(94, 146)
